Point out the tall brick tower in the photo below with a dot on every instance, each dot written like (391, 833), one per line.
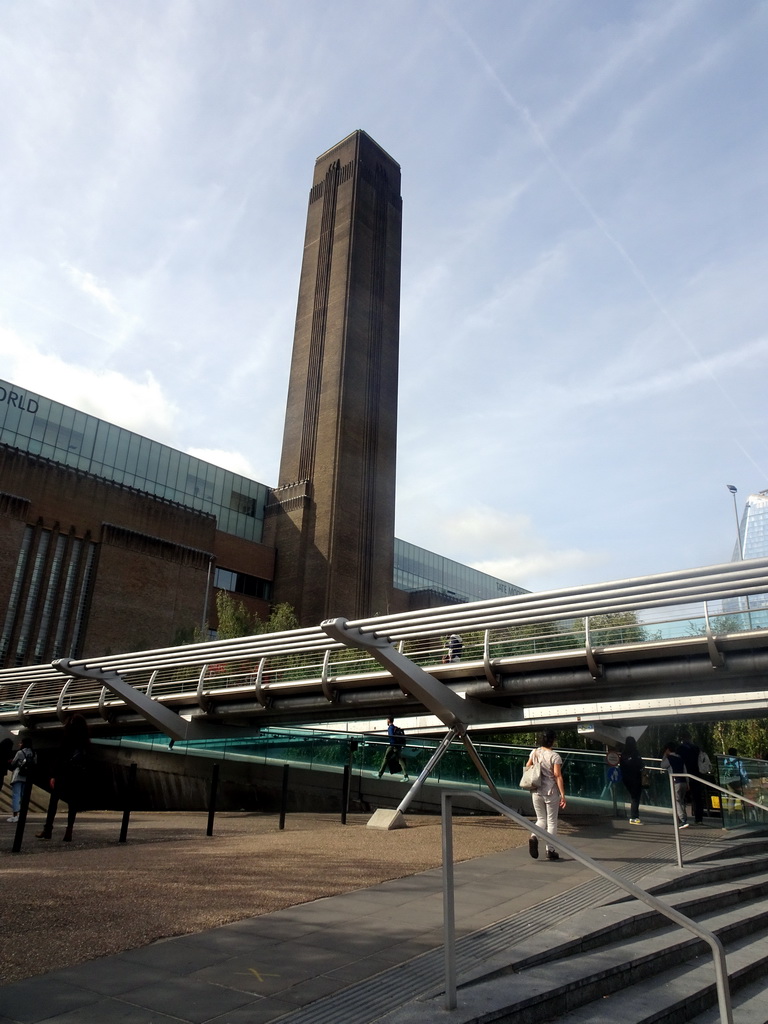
(332, 514)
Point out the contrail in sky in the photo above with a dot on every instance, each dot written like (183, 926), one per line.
(538, 135)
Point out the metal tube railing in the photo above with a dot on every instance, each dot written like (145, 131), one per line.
(710, 785)
(449, 928)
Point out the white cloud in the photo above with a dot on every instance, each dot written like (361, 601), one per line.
(508, 546)
(136, 403)
(94, 289)
(235, 462)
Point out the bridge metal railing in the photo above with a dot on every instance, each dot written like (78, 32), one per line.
(709, 785)
(683, 612)
(562, 846)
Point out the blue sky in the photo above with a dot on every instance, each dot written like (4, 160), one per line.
(584, 336)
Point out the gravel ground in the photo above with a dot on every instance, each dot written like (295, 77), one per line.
(94, 896)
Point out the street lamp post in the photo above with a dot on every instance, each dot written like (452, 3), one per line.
(732, 489)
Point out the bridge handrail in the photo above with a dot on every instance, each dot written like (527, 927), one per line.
(710, 785)
(449, 927)
(36, 689)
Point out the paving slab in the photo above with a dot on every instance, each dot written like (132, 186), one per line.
(334, 959)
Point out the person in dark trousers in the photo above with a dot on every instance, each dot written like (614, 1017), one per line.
(71, 781)
(393, 753)
(673, 763)
(22, 765)
(6, 753)
(549, 798)
(689, 752)
(632, 766)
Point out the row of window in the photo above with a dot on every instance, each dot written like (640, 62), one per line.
(242, 583)
(54, 431)
(419, 569)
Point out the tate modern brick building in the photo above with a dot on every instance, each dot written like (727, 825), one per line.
(111, 542)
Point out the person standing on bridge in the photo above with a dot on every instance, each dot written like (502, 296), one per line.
(549, 798)
(454, 646)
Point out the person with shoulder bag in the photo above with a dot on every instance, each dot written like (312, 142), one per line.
(549, 797)
(22, 766)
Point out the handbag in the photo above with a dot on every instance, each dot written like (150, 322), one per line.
(531, 777)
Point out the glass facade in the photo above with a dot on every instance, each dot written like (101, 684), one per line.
(752, 542)
(43, 427)
(422, 570)
(754, 527)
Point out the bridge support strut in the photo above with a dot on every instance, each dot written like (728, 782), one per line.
(453, 711)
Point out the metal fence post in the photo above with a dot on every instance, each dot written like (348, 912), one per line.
(26, 795)
(346, 785)
(212, 799)
(449, 915)
(128, 801)
(284, 795)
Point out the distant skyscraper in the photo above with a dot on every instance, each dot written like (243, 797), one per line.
(753, 528)
(332, 514)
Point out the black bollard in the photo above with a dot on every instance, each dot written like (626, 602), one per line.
(131, 785)
(346, 786)
(26, 795)
(212, 799)
(50, 817)
(284, 796)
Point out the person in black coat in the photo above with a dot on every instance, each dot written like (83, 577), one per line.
(632, 765)
(690, 755)
(71, 781)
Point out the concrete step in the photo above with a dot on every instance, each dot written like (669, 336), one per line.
(687, 994)
(660, 978)
(613, 924)
(750, 1006)
(599, 964)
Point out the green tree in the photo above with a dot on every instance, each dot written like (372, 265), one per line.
(282, 618)
(234, 618)
(614, 628)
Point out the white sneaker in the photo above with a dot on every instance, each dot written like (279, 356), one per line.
(635, 821)
(13, 818)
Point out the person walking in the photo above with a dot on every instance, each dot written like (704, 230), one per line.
(22, 767)
(691, 754)
(632, 766)
(549, 798)
(393, 754)
(71, 782)
(6, 753)
(673, 763)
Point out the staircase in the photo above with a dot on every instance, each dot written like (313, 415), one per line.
(622, 961)
(38, 803)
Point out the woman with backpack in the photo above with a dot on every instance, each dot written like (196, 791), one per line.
(22, 766)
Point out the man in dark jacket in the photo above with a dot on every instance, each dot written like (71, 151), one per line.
(690, 755)
(672, 761)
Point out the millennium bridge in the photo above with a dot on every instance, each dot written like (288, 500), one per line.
(696, 646)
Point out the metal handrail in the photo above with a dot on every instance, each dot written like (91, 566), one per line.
(711, 785)
(449, 925)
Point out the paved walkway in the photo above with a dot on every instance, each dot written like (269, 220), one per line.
(346, 959)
